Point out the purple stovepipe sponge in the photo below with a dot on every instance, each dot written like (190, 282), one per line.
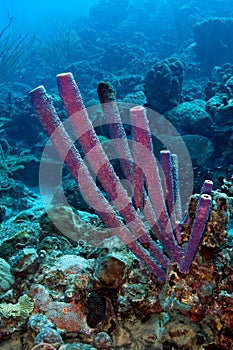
(202, 214)
(155, 199)
(107, 97)
(46, 112)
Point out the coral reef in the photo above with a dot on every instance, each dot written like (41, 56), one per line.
(202, 295)
(67, 280)
(96, 306)
(197, 119)
(65, 316)
(163, 84)
(104, 295)
(214, 44)
(62, 296)
(14, 316)
(6, 278)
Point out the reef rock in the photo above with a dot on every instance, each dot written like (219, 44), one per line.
(6, 278)
(191, 117)
(163, 84)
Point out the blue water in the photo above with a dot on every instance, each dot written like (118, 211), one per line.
(37, 16)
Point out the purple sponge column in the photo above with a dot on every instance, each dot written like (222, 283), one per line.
(169, 165)
(95, 154)
(176, 187)
(166, 165)
(147, 162)
(107, 97)
(202, 214)
(51, 123)
(207, 187)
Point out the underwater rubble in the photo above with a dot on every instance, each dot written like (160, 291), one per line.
(75, 296)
